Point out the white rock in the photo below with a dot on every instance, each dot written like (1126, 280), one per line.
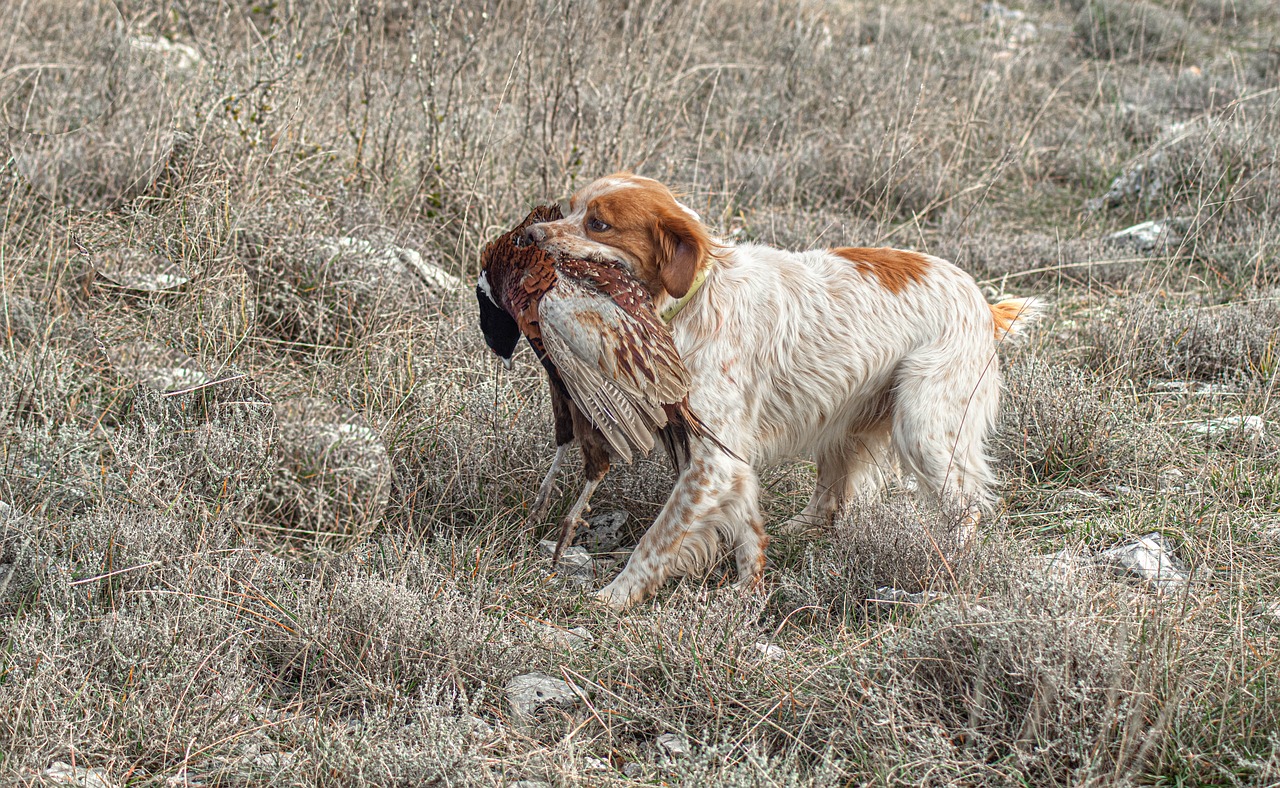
(162, 368)
(60, 773)
(590, 764)
(369, 260)
(138, 269)
(887, 596)
(1268, 610)
(1149, 559)
(1145, 236)
(771, 651)
(675, 745)
(576, 638)
(1253, 428)
(633, 770)
(531, 691)
(576, 563)
(182, 57)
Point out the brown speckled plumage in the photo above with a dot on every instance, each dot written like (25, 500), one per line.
(615, 376)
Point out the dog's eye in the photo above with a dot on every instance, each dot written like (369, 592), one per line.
(597, 226)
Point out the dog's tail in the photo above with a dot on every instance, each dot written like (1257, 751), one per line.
(1014, 316)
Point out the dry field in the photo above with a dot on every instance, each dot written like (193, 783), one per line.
(264, 485)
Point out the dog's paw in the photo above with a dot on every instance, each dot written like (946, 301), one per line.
(614, 597)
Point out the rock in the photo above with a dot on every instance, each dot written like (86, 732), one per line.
(633, 770)
(172, 54)
(159, 367)
(139, 270)
(1149, 559)
(889, 597)
(771, 651)
(1268, 612)
(7, 572)
(675, 745)
(576, 564)
(1252, 428)
(60, 773)
(372, 261)
(590, 764)
(530, 784)
(1192, 387)
(604, 533)
(531, 691)
(995, 10)
(577, 638)
(1141, 182)
(1146, 236)
(1065, 562)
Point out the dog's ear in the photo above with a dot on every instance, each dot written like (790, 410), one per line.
(683, 245)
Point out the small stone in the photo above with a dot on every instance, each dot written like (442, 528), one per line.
(675, 745)
(479, 727)
(1064, 561)
(1141, 182)
(577, 638)
(633, 770)
(590, 764)
(159, 367)
(576, 564)
(530, 784)
(604, 532)
(1268, 611)
(889, 597)
(1253, 428)
(531, 691)
(999, 11)
(771, 651)
(139, 270)
(1148, 559)
(1145, 236)
(60, 773)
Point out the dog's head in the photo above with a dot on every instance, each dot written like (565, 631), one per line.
(636, 222)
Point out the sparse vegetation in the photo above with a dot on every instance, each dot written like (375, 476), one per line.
(264, 486)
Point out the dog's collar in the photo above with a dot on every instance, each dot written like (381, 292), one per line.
(672, 309)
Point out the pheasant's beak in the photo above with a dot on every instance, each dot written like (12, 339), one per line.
(506, 362)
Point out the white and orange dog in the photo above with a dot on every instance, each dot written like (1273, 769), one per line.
(842, 355)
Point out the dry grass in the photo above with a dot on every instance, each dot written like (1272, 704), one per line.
(264, 522)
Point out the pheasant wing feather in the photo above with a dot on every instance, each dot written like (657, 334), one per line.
(607, 361)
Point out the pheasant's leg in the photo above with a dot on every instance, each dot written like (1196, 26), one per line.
(542, 502)
(562, 410)
(595, 462)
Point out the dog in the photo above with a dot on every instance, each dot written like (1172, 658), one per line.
(847, 355)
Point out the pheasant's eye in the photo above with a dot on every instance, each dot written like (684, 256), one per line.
(597, 226)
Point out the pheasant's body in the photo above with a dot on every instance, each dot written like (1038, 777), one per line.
(614, 373)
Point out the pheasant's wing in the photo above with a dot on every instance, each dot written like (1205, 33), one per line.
(620, 367)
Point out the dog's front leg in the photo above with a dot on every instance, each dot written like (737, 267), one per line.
(715, 495)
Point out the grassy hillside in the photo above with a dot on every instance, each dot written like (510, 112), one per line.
(264, 486)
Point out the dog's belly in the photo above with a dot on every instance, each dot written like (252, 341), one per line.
(791, 426)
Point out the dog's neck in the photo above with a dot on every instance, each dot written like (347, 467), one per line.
(669, 312)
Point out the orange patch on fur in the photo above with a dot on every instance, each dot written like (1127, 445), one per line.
(896, 269)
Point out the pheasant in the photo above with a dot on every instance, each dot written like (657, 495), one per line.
(612, 367)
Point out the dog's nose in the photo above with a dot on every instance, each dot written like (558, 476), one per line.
(534, 234)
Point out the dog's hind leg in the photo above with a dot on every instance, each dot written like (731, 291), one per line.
(857, 467)
(943, 414)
